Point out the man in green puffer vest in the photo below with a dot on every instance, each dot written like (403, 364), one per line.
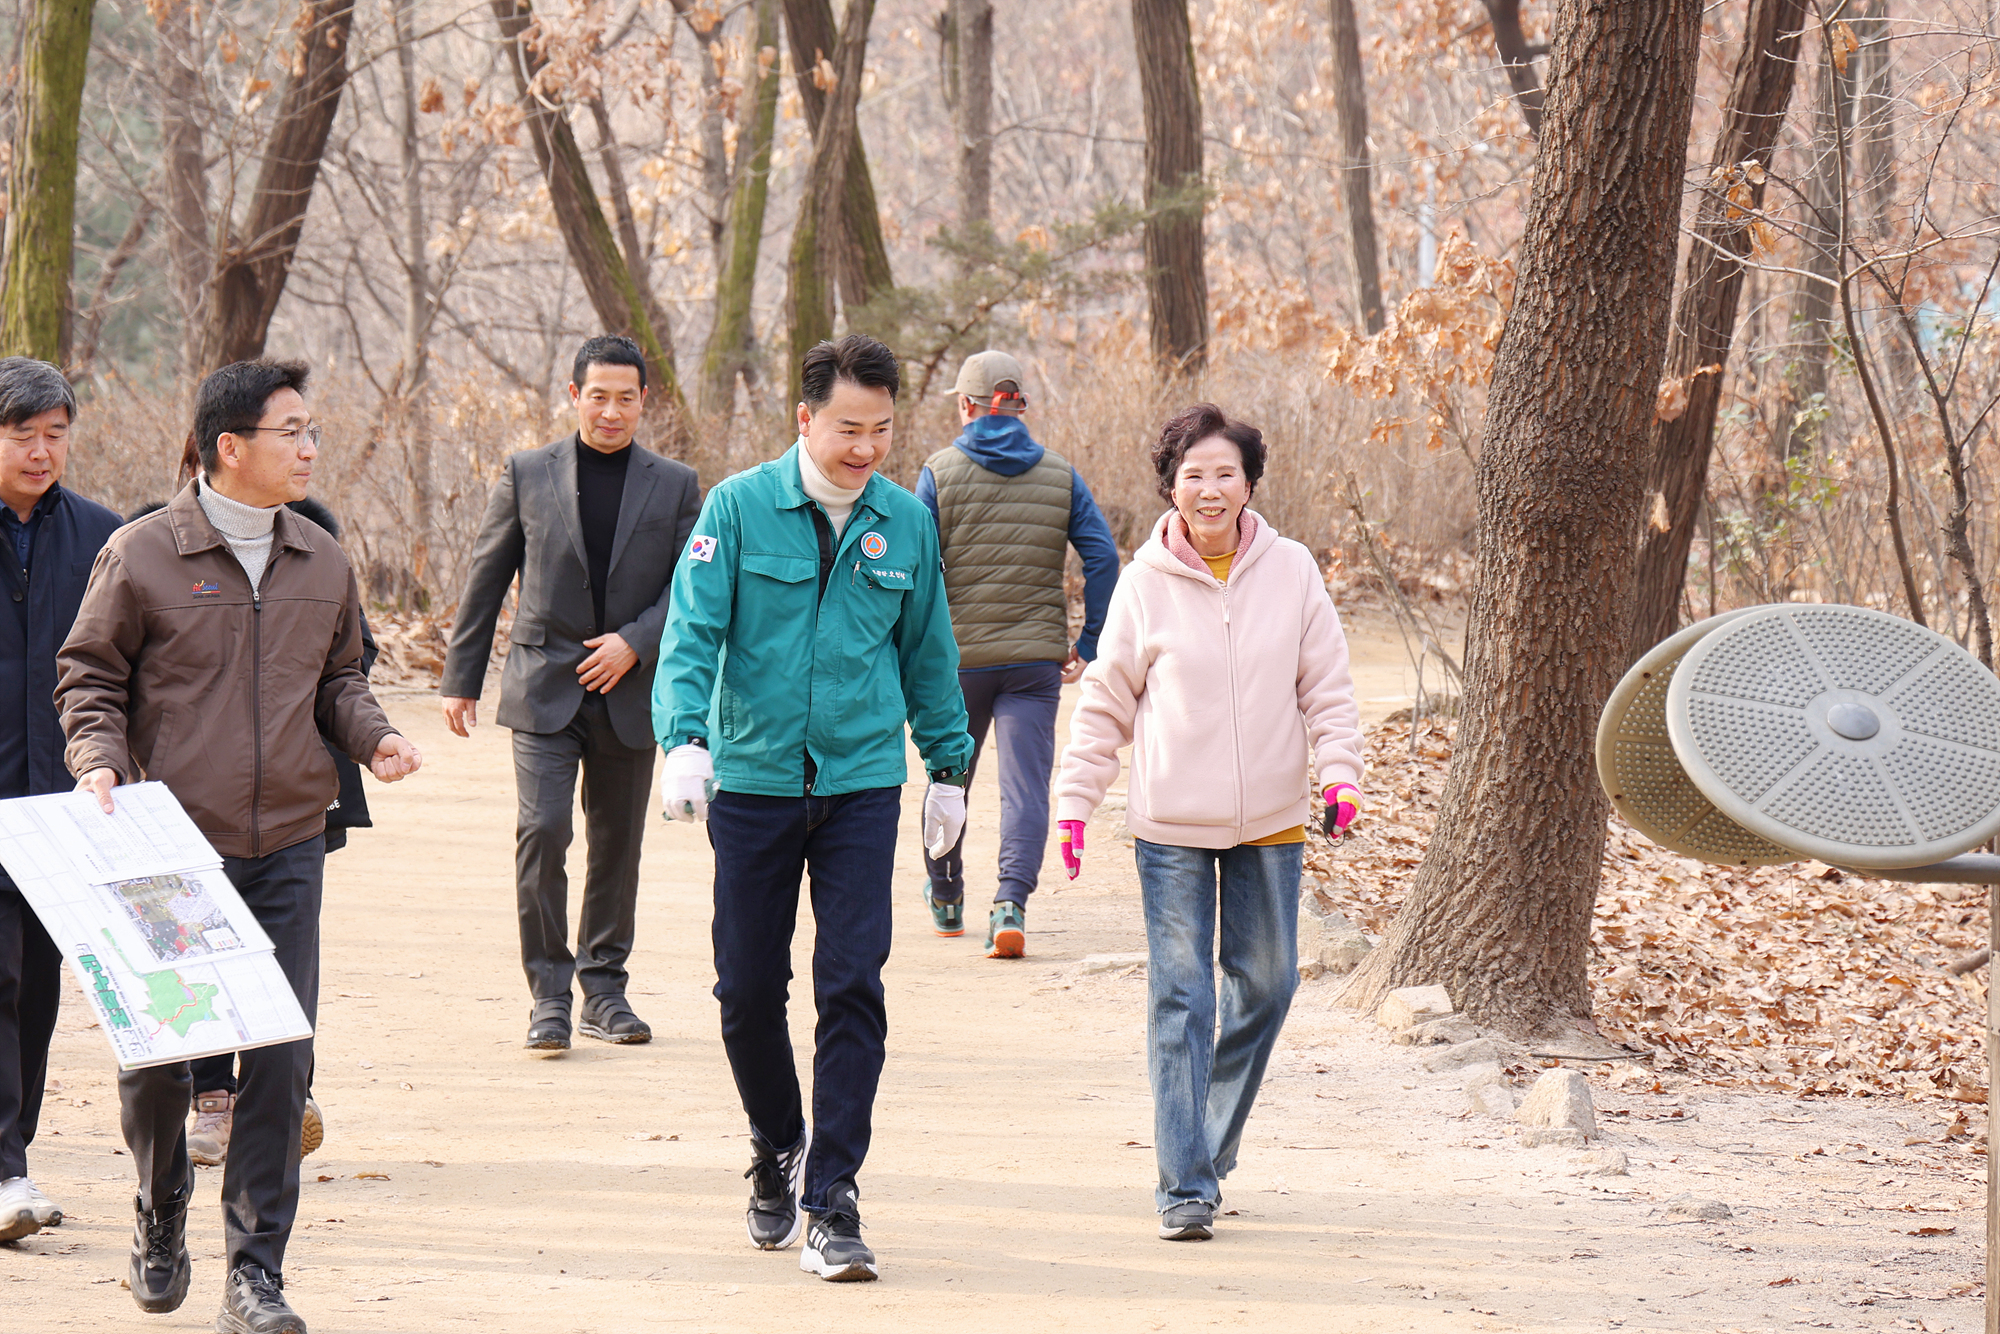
(1007, 509)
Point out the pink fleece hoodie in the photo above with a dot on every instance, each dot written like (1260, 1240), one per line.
(1220, 690)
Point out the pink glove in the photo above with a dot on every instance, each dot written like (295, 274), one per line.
(1343, 807)
(1072, 846)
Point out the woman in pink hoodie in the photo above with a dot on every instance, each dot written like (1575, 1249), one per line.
(1223, 666)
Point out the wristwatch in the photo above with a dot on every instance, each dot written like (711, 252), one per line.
(955, 777)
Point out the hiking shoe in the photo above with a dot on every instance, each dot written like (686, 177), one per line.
(834, 1249)
(214, 1117)
(774, 1219)
(160, 1268)
(1007, 931)
(312, 1131)
(253, 1302)
(1193, 1221)
(18, 1215)
(548, 1025)
(608, 1018)
(947, 919)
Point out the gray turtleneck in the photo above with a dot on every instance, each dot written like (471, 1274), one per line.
(246, 529)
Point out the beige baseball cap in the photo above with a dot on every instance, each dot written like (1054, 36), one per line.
(983, 370)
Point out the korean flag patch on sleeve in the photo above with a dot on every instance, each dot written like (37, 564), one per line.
(702, 549)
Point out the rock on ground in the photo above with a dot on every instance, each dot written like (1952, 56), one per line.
(1690, 1206)
(1479, 1051)
(1487, 1091)
(1406, 1007)
(1559, 1100)
(1600, 1163)
(1453, 1028)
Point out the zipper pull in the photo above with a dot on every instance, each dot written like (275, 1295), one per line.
(1225, 604)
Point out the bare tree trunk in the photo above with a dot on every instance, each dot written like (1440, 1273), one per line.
(413, 374)
(1705, 318)
(973, 24)
(90, 333)
(41, 182)
(1875, 133)
(1499, 913)
(1518, 59)
(637, 259)
(731, 340)
(1814, 293)
(190, 247)
(251, 270)
(614, 296)
(819, 241)
(714, 135)
(864, 272)
(1176, 281)
(1357, 188)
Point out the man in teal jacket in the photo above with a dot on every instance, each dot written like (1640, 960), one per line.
(807, 622)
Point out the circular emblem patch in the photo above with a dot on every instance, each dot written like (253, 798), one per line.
(873, 545)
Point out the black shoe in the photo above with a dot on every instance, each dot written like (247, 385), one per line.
(608, 1018)
(253, 1302)
(548, 1025)
(834, 1249)
(160, 1268)
(774, 1219)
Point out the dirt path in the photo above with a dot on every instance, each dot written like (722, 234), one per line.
(473, 1185)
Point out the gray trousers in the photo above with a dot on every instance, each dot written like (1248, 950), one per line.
(617, 789)
(260, 1180)
(1020, 703)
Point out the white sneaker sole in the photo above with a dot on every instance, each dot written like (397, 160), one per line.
(856, 1272)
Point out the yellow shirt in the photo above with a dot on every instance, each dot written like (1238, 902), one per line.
(1219, 567)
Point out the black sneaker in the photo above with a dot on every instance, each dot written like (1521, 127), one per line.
(774, 1219)
(548, 1025)
(253, 1302)
(609, 1018)
(1192, 1221)
(160, 1269)
(834, 1249)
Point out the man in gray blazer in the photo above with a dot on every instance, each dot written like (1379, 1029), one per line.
(593, 527)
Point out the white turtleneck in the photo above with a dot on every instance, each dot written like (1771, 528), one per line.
(836, 500)
(247, 529)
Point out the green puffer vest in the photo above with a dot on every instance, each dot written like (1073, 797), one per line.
(1003, 540)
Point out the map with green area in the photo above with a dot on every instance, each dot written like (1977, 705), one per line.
(176, 1004)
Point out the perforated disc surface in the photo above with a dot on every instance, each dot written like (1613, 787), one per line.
(1845, 734)
(1644, 779)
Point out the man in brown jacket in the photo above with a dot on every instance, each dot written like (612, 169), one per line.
(219, 637)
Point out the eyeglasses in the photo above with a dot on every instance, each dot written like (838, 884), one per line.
(291, 433)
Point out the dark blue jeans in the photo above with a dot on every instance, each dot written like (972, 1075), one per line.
(1020, 703)
(847, 845)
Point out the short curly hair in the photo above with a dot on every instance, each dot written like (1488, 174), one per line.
(1193, 425)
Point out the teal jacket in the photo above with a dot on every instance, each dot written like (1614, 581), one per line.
(762, 666)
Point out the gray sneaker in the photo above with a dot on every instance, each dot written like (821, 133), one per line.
(214, 1118)
(1192, 1221)
(774, 1219)
(834, 1249)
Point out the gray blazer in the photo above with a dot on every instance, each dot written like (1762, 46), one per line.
(532, 529)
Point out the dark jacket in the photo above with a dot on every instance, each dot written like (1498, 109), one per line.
(532, 528)
(42, 603)
(177, 670)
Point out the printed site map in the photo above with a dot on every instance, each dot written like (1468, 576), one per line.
(172, 961)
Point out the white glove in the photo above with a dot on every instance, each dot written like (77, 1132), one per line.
(686, 783)
(944, 818)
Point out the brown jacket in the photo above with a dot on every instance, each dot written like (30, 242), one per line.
(177, 670)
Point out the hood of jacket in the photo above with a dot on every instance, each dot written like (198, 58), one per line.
(999, 443)
(1169, 550)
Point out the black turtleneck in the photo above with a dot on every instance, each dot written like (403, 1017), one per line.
(600, 488)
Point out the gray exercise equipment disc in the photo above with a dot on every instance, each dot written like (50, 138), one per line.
(1848, 735)
(1643, 777)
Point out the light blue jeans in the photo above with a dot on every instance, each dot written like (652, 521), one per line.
(1203, 1082)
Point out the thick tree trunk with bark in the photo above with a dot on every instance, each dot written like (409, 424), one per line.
(819, 240)
(638, 262)
(1814, 319)
(250, 272)
(1499, 913)
(863, 272)
(41, 182)
(1518, 59)
(190, 247)
(973, 25)
(593, 251)
(731, 340)
(412, 380)
(1357, 187)
(1705, 318)
(1176, 279)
